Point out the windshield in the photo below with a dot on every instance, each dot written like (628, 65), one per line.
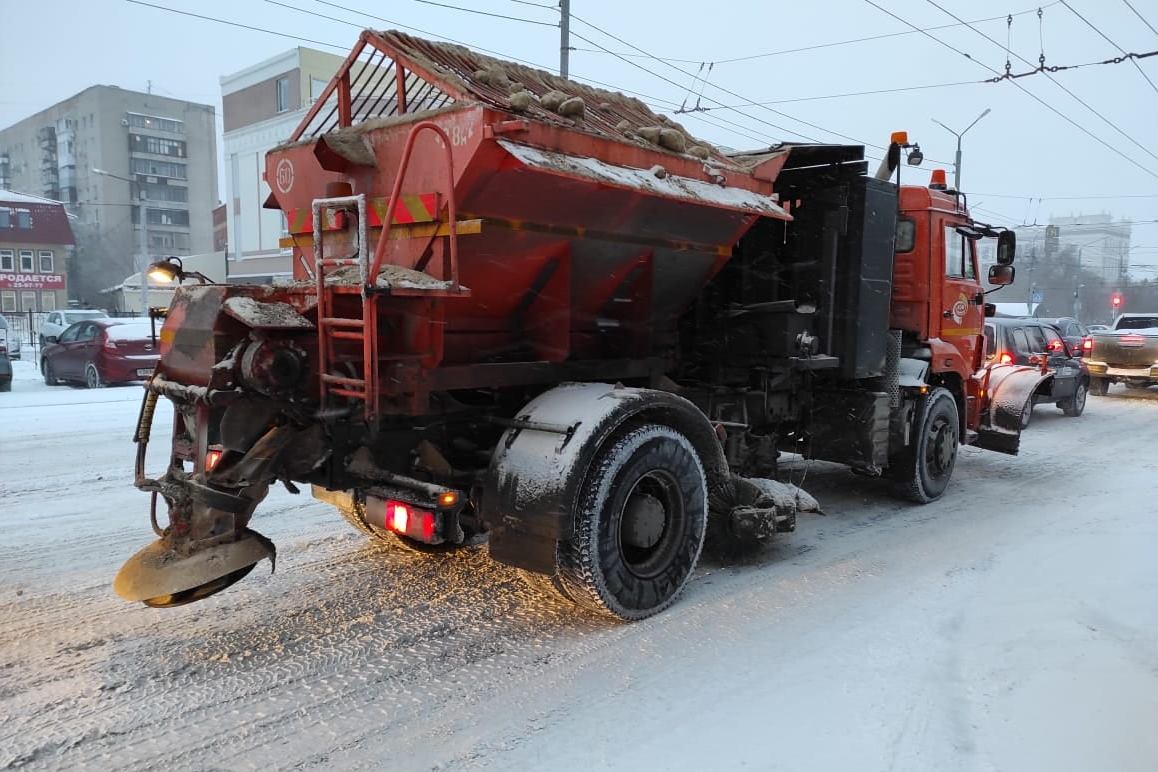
(72, 317)
(129, 331)
(1137, 322)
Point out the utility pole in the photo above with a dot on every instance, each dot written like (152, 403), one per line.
(564, 37)
(957, 161)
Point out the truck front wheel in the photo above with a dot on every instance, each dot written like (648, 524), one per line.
(921, 472)
(639, 525)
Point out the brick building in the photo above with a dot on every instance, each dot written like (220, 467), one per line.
(36, 244)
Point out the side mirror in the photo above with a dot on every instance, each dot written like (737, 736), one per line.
(1006, 246)
(52, 339)
(990, 309)
(1002, 274)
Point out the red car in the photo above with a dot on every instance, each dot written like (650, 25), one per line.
(99, 351)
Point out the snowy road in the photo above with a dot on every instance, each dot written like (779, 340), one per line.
(1013, 625)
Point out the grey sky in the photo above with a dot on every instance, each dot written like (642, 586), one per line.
(51, 49)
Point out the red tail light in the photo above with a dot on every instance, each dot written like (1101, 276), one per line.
(1006, 359)
(1087, 344)
(410, 521)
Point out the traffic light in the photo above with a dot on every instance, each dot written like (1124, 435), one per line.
(1116, 301)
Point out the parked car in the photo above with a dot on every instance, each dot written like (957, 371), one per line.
(100, 351)
(58, 321)
(9, 340)
(1034, 342)
(5, 361)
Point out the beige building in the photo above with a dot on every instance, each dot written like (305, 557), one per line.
(127, 297)
(261, 106)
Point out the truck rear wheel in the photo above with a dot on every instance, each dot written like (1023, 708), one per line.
(639, 526)
(921, 472)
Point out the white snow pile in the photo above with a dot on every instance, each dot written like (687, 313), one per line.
(390, 276)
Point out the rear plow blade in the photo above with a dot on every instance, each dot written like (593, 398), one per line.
(161, 577)
(1009, 389)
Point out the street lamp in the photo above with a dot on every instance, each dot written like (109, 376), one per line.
(142, 260)
(957, 163)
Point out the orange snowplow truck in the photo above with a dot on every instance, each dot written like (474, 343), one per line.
(537, 315)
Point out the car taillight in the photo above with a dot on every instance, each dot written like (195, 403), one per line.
(410, 521)
(1006, 359)
(1087, 344)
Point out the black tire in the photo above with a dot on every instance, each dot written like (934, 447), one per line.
(1099, 386)
(640, 522)
(921, 472)
(46, 371)
(92, 377)
(1076, 405)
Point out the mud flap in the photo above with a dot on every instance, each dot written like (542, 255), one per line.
(1007, 389)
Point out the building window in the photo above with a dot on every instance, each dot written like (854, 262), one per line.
(282, 94)
(8, 301)
(138, 121)
(46, 261)
(27, 301)
(139, 143)
(7, 260)
(47, 301)
(24, 220)
(160, 192)
(5, 218)
(168, 217)
(27, 265)
(158, 168)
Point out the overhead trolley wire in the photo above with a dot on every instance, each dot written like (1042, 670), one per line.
(1033, 96)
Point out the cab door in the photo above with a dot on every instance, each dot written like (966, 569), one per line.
(962, 317)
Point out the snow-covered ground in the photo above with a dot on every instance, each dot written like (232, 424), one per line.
(1013, 625)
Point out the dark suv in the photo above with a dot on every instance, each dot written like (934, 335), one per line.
(1033, 342)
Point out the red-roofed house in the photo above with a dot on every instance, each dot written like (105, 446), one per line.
(35, 244)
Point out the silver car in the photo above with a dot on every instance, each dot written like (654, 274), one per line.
(58, 321)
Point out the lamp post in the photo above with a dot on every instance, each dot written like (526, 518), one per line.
(142, 260)
(957, 161)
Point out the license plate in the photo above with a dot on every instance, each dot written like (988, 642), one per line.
(144, 373)
(1140, 373)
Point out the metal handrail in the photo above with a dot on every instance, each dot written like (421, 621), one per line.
(450, 262)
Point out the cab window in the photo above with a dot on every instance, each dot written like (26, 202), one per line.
(960, 255)
(906, 237)
(990, 341)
